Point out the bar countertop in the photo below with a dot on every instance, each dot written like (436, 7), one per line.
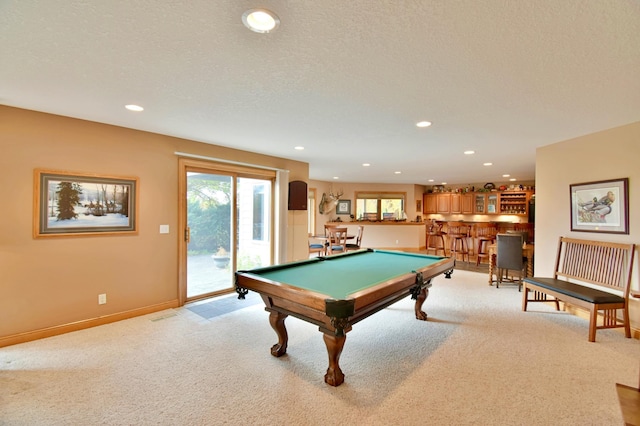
(381, 222)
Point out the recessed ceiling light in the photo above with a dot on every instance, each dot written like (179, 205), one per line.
(430, 180)
(397, 173)
(506, 175)
(132, 107)
(512, 179)
(365, 164)
(336, 177)
(260, 20)
(469, 152)
(487, 164)
(299, 148)
(423, 124)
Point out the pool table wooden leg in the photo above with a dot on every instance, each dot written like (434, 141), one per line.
(277, 323)
(420, 314)
(334, 376)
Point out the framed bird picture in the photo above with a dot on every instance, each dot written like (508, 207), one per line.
(601, 206)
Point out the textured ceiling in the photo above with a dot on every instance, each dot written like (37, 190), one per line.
(347, 80)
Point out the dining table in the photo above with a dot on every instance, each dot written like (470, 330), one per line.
(326, 237)
(527, 252)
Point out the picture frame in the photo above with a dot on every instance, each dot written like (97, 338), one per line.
(77, 204)
(343, 207)
(600, 206)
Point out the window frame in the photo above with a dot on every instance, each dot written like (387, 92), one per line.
(379, 196)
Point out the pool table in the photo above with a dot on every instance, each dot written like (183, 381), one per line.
(335, 292)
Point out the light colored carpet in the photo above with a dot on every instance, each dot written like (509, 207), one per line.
(479, 360)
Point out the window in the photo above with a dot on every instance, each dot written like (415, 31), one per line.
(311, 211)
(258, 212)
(380, 205)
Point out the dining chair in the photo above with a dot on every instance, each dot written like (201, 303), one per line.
(525, 234)
(337, 240)
(327, 227)
(358, 242)
(510, 258)
(316, 248)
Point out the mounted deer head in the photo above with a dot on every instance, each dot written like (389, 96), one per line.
(329, 202)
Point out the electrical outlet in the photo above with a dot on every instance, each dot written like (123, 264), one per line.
(102, 299)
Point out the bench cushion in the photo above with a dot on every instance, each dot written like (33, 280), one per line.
(577, 291)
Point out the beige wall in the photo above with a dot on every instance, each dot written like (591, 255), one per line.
(604, 155)
(55, 281)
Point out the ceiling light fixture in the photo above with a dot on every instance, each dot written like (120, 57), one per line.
(506, 175)
(260, 20)
(469, 152)
(397, 173)
(512, 180)
(299, 148)
(365, 164)
(487, 164)
(136, 108)
(423, 124)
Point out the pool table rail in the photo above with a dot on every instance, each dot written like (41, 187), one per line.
(400, 284)
(250, 281)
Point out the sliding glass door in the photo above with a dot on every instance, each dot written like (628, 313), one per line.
(209, 233)
(227, 222)
(254, 222)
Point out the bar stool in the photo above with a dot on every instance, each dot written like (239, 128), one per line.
(471, 238)
(458, 233)
(486, 234)
(435, 238)
(525, 227)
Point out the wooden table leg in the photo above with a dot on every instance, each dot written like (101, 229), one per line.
(276, 319)
(334, 376)
(492, 267)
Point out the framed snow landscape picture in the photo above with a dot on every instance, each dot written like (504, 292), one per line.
(73, 204)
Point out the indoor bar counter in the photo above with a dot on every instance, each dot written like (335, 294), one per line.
(389, 234)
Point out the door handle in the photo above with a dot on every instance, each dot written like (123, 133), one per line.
(187, 235)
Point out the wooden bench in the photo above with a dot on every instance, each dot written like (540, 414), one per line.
(594, 275)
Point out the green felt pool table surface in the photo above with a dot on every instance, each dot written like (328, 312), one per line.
(340, 276)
